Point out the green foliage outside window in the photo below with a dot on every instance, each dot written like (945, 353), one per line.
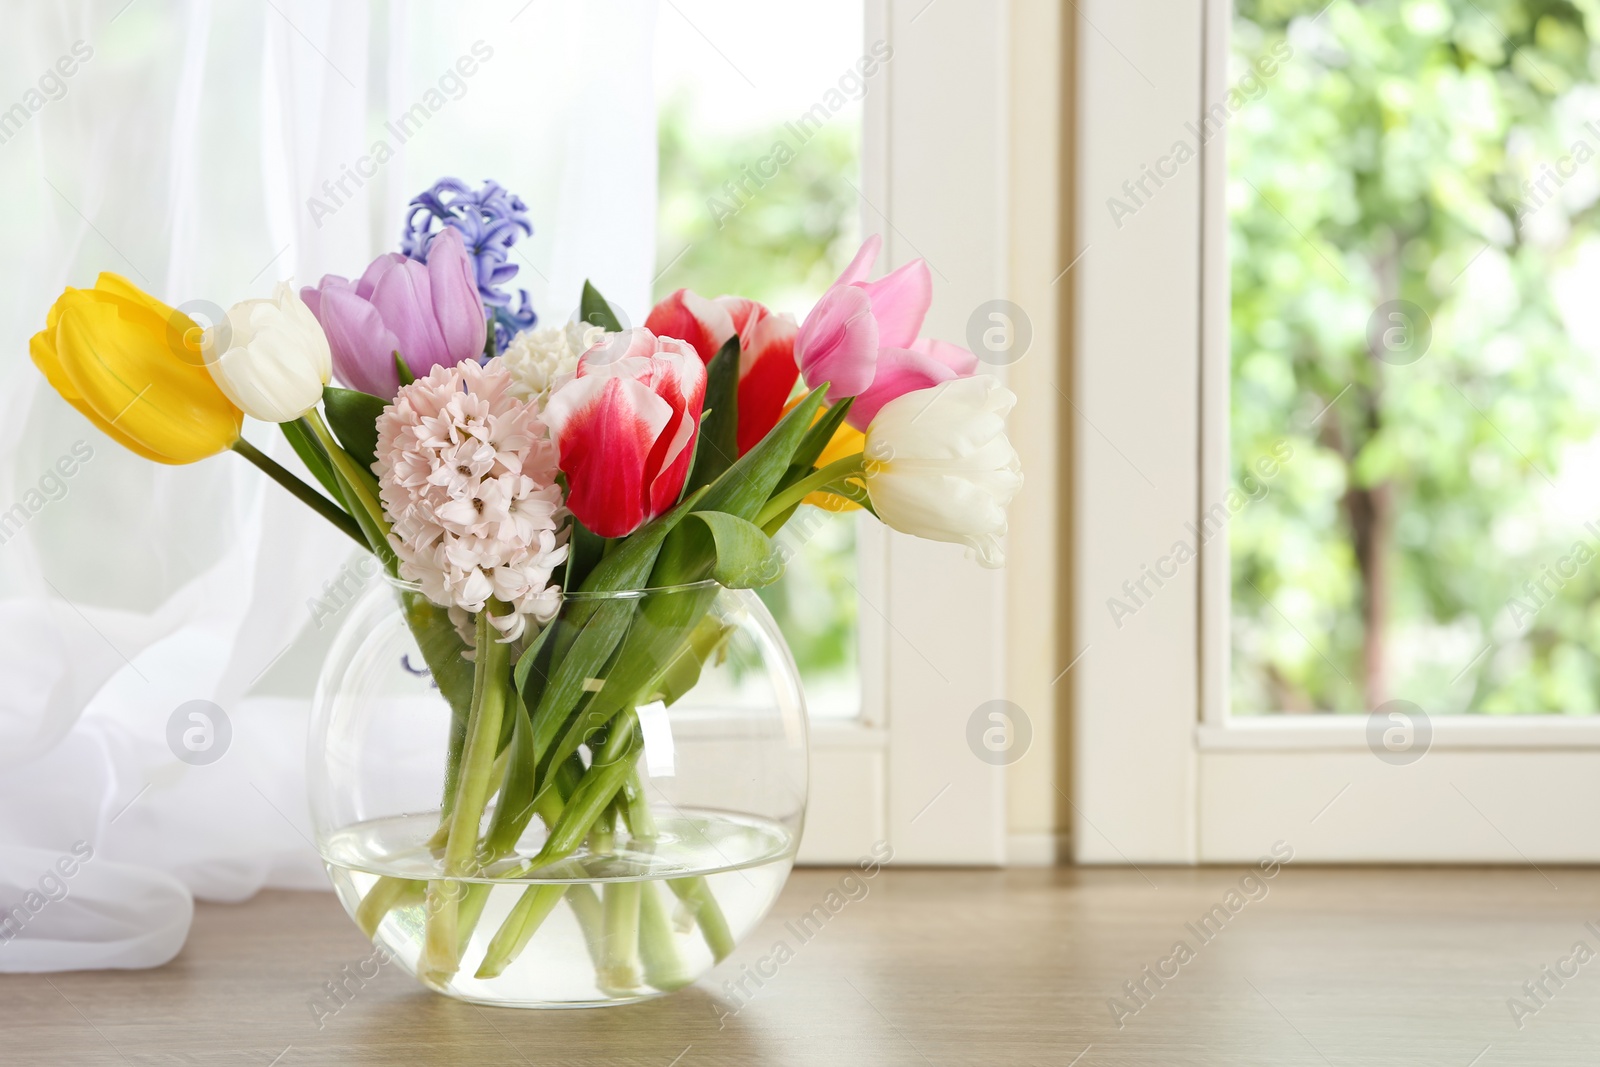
(1427, 539)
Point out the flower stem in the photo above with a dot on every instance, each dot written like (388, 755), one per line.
(529, 912)
(385, 895)
(664, 966)
(618, 972)
(360, 489)
(472, 794)
(834, 472)
(713, 924)
(307, 495)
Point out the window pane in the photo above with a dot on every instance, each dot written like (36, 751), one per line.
(1415, 253)
(755, 202)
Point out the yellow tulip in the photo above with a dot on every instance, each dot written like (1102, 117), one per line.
(132, 365)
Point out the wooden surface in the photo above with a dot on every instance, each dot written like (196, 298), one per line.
(1330, 967)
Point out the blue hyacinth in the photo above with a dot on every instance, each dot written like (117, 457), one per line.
(491, 220)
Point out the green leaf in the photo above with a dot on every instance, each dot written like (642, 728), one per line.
(683, 672)
(404, 369)
(515, 807)
(525, 662)
(746, 558)
(584, 549)
(305, 446)
(743, 489)
(815, 440)
(444, 653)
(718, 444)
(600, 624)
(353, 418)
(657, 637)
(600, 785)
(596, 311)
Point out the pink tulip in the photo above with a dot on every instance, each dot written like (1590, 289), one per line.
(862, 337)
(625, 427)
(767, 369)
(923, 365)
(430, 313)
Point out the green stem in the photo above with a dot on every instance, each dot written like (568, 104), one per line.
(707, 913)
(586, 908)
(525, 918)
(472, 794)
(385, 895)
(788, 498)
(664, 966)
(618, 972)
(303, 492)
(360, 489)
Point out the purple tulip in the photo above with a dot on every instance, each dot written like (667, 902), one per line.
(430, 313)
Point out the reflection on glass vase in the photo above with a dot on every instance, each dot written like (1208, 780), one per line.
(697, 784)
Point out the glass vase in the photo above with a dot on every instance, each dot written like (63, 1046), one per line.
(707, 758)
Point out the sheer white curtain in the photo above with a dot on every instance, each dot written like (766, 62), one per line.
(206, 149)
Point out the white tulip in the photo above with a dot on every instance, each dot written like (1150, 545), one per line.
(270, 357)
(938, 464)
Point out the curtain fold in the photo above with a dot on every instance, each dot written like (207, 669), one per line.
(206, 150)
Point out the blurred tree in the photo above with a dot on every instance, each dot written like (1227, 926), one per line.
(1432, 153)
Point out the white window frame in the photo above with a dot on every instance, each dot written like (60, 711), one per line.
(1161, 771)
(931, 622)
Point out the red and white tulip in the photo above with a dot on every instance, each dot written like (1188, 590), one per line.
(625, 427)
(767, 370)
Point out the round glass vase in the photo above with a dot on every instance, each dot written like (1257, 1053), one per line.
(684, 859)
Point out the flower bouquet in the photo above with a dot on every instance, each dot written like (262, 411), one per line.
(570, 519)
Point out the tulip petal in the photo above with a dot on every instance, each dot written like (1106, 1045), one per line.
(838, 343)
(404, 298)
(679, 378)
(900, 301)
(606, 427)
(861, 266)
(958, 359)
(763, 391)
(368, 282)
(687, 316)
(939, 464)
(457, 306)
(43, 352)
(117, 354)
(900, 371)
(363, 348)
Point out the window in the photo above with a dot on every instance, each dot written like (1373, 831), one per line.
(1415, 248)
(1344, 348)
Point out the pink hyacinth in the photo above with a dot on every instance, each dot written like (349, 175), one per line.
(467, 475)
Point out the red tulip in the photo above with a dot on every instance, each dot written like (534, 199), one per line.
(767, 370)
(625, 427)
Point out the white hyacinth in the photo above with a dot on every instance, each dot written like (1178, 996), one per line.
(543, 359)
